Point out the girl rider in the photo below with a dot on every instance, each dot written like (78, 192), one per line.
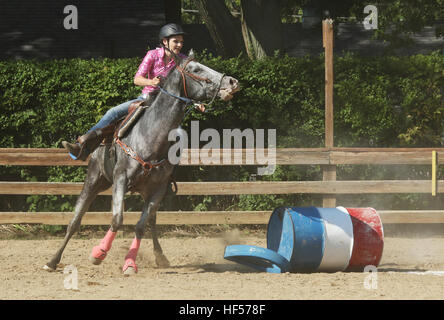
(156, 64)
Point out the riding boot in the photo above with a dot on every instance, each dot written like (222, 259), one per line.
(81, 150)
(87, 143)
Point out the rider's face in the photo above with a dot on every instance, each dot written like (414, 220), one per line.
(175, 43)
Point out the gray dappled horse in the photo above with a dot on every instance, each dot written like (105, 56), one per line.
(150, 175)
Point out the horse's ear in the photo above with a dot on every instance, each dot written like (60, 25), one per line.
(191, 54)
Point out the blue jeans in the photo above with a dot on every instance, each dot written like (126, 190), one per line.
(114, 114)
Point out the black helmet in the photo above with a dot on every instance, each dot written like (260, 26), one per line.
(169, 30)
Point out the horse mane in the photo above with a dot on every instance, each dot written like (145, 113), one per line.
(178, 60)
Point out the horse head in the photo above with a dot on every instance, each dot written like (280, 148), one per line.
(202, 83)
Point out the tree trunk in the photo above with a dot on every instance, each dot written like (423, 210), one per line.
(225, 30)
(261, 27)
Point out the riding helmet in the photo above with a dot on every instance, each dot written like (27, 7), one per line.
(169, 30)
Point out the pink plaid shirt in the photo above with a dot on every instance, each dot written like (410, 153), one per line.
(152, 66)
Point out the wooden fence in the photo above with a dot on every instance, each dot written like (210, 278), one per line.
(326, 157)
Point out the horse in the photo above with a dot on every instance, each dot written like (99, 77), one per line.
(141, 163)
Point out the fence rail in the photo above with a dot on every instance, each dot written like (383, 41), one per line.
(290, 156)
(200, 218)
(287, 156)
(247, 187)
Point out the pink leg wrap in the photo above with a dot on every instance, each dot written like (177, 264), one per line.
(99, 252)
(130, 259)
(107, 241)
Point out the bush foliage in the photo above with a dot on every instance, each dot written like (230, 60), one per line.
(379, 102)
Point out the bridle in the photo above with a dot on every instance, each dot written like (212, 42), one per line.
(184, 73)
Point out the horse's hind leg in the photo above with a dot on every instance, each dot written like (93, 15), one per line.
(94, 183)
(161, 260)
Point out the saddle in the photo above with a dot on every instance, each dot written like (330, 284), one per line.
(123, 125)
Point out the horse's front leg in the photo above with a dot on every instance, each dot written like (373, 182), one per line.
(148, 216)
(99, 252)
(94, 183)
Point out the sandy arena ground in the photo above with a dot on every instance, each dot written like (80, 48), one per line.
(199, 272)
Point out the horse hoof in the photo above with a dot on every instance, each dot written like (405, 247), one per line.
(48, 268)
(130, 271)
(97, 254)
(95, 261)
(162, 261)
(130, 267)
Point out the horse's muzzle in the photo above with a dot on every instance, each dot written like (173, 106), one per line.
(228, 88)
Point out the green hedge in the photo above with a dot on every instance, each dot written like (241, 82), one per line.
(379, 102)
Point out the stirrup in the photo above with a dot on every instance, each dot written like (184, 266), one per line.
(73, 156)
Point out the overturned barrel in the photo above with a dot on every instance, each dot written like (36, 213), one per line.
(315, 239)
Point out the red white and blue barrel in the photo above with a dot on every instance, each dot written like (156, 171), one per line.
(326, 239)
(315, 239)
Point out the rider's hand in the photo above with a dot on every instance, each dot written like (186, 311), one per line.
(156, 81)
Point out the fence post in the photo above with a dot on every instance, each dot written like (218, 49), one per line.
(329, 171)
(434, 172)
